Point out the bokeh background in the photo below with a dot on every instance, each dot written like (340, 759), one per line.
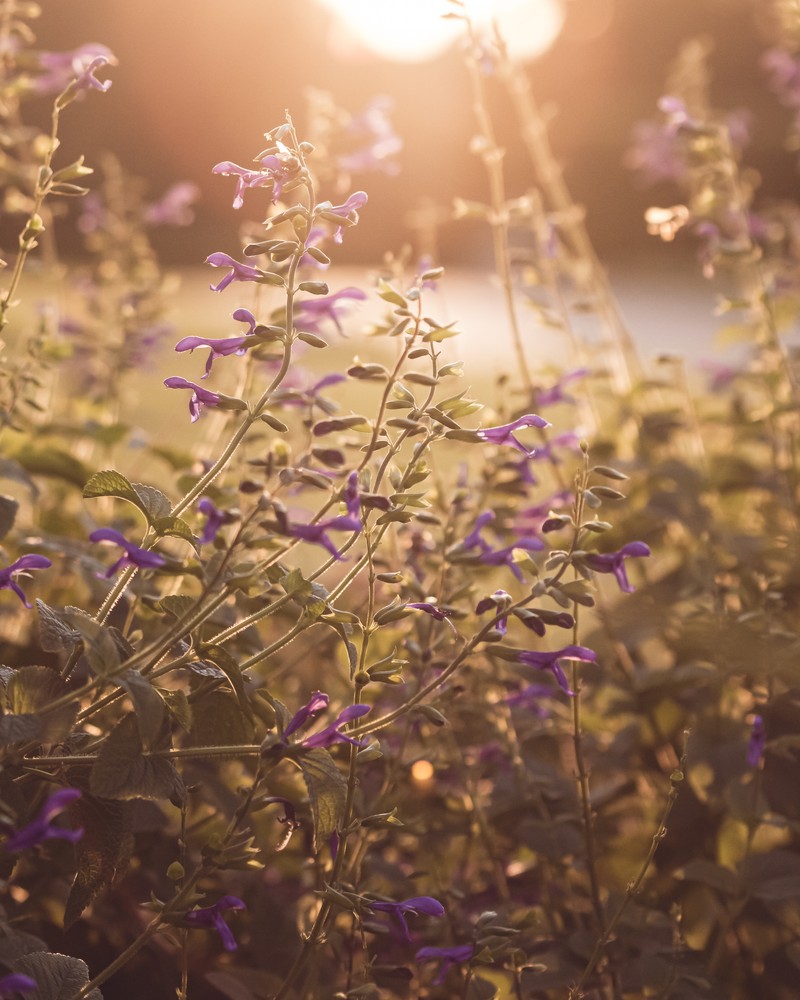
(199, 82)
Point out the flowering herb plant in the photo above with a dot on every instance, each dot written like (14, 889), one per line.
(516, 749)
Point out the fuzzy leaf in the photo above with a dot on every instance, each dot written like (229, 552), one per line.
(8, 513)
(148, 706)
(112, 484)
(327, 790)
(29, 691)
(230, 668)
(219, 721)
(175, 527)
(55, 631)
(153, 502)
(105, 646)
(103, 851)
(58, 977)
(52, 462)
(123, 771)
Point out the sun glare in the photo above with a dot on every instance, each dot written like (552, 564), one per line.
(414, 30)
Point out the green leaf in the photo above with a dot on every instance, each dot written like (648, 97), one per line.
(389, 294)
(148, 706)
(105, 646)
(176, 605)
(30, 691)
(175, 527)
(103, 851)
(55, 631)
(228, 665)
(112, 484)
(178, 707)
(152, 502)
(58, 977)
(122, 770)
(8, 513)
(53, 462)
(327, 791)
(219, 721)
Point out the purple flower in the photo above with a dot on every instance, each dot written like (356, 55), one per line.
(211, 916)
(330, 734)
(449, 956)
(238, 270)
(495, 602)
(318, 533)
(656, 153)
(200, 397)
(276, 169)
(43, 828)
(215, 518)
(345, 214)
(503, 556)
(222, 348)
(379, 141)
(61, 68)
(133, 555)
(7, 581)
(417, 904)
(555, 393)
(530, 697)
(16, 982)
(435, 611)
(504, 434)
(352, 496)
(550, 661)
(783, 69)
(309, 313)
(174, 207)
(566, 440)
(758, 741)
(614, 562)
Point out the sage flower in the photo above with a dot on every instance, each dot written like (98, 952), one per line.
(417, 904)
(276, 170)
(59, 69)
(448, 956)
(16, 982)
(43, 827)
(551, 661)
(215, 518)
(225, 347)
(211, 916)
(318, 533)
(504, 433)
(200, 397)
(133, 555)
(309, 313)
(238, 270)
(614, 562)
(345, 214)
(435, 611)
(758, 741)
(7, 581)
(331, 734)
(174, 207)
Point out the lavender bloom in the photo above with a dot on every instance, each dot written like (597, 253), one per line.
(417, 904)
(276, 170)
(449, 956)
(309, 313)
(435, 611)
(211, 916)
(345, 214)
(550, 661)
(497, 600)
(7, 581)
(614, 562)
(238, 270)
(331, 734)
(174, 207)
(546, 451)
(504, 556)
(351, 495)
(200, 397)
(215, 518)
(16, 982)
(222, 348)
(530, 697)
(43, 828)
(61, 68)
(133, 555)
(504, 434)
(318, 533)
(758, 741)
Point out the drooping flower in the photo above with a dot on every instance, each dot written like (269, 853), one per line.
(59, 69)
(504, 433)
(551, 661)
(504, 556)
(276, 170)
(614, 562)
(211, 916)
(238, 270)
(342, 215)
(435, 611)
(215, 518)
(225, 347)
(530, 697)
(200, 397)
(133, 555)
(245, 178)
(14, 983)
(318, 533)
(43, 828)
(352, 496)
(331, 734)
(174, 207)
(758, 741)
(310, 313)
(555, 393)
(7, 581)
(378, 142)
(495, 602)
(448, 956)
(417, 904)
